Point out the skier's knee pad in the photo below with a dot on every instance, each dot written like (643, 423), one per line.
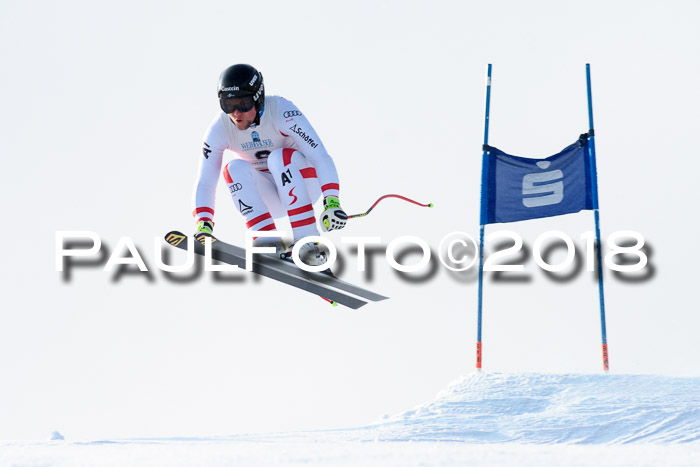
(238, 171)
(279, 159)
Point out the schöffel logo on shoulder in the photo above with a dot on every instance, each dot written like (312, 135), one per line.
(292, 113)
(308, 139)
(231, 88)
(256, 142)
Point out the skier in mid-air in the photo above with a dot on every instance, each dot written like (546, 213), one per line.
(281, 168)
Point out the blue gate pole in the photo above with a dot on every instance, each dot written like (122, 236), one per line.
(594, 183)
(483, 221)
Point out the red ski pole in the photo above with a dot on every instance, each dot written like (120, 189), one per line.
(429, 205)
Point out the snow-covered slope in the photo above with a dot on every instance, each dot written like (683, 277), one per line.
(485, 419)
(547, 408)
(536, 408)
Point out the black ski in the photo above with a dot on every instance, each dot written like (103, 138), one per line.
(319, 284)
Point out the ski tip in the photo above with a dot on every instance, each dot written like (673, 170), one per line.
(174, 237)
(430, 205)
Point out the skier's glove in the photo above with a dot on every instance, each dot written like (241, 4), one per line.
(332, 217)
(204, 229)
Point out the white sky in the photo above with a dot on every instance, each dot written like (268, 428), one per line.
(103, 110)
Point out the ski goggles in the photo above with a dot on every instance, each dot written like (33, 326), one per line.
(240, 103)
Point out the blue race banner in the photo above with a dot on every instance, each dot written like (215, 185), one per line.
(518, 188)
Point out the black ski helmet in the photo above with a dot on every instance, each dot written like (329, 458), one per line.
(241, 81)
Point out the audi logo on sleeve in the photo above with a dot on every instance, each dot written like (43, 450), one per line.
(292, 113)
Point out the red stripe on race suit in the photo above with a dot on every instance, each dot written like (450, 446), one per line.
(287, 156)
(227, 175)
(205, 219)
(301, 210)
(330, 186)
(267, 227)
(258, 220)
(308, 172)
(303, 222)
(200, 210)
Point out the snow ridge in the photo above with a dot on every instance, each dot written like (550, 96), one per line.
(553, 409)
